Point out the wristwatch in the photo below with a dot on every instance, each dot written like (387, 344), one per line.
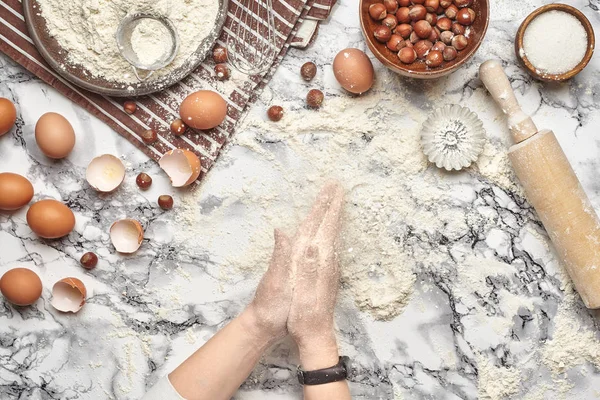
(336, 373)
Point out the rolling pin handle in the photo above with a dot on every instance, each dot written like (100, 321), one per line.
(495, 80)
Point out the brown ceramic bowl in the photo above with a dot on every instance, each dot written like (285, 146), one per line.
(418, 69)
(558, 77)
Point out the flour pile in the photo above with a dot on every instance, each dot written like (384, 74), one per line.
(86, 30)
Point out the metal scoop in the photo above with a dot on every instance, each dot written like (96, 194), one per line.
(124, 42)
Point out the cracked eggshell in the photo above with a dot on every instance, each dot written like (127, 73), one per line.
(68, 295)
(105, 173)
(126, 235)
(182, 166)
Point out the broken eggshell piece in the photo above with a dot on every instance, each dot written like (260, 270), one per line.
(182, 166)
(105, 173)
(126, 235)
(68, 295)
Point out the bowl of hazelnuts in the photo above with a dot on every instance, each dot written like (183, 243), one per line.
(424, 39)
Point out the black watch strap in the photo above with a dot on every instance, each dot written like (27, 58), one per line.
(326, 375)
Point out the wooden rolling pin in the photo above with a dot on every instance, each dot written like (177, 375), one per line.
(552, 187)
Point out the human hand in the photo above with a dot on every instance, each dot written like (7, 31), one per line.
(315, 266)
(271, 305)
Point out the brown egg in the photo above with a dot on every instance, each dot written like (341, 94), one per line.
(54, 135)
(353, 70)
(50, 219)
(204, 109)
(15, 191)
(21, 286)
(8, 115)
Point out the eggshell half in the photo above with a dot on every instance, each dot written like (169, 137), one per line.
(8, 115)
(15, 191)
(182, 166)
(50, 219)
(21, 286)
(68, 295)
(353, 70)
(204, 109)
(105, 173)
(126, 235)
(54, 135)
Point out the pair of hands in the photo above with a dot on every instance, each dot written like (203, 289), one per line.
(297, 294)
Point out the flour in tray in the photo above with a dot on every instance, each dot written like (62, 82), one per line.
(86, 29)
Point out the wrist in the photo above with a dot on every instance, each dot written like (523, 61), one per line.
(261, 336)
(321, 351)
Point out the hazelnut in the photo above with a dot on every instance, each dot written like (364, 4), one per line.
(423, 29)
(417, 13)
(407, 55)
(449, 53)
(444, 24)
(465, 16)
(438, 46)
(308, 71)
(440, 10)
(434, 59)
(404, 3)
(129, 107)
(463, 3)
(402, 15)
(314, 98)
(395, 42)
(458, 29)
(391, 6)
(434, 35)
(275, 113)
(404, 30)
(414, 38)
(165, 202)
(377, 11)
(431, 18)
(408, 43)
(459, 42)
(422, 47)
(418, 1)
(431, 5)
(390, 21)
(149, 136)
(89, 260)
(143, 180)
(222, 72)
(451, 11)
(446, 37)
(178, 127)
(220, 55)
(382, 33)
(445, 3)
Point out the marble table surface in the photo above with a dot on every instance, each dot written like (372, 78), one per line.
(450, 290)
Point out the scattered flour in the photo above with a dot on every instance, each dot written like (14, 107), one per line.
(497, 383)
(86, 31)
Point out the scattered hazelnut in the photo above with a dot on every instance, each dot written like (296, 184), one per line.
(445, 3)
(377, 11)
(275, 113)
(414, 38)
(314, 98)
(407, 55)
(395, 42)
(434, 59)
(465, 16)
(404, 30)
(165, 202)
(451, 11)
(404, 3)
(390, 21)
(222, 72)
(178, 127)
(438, 46)
(417, 13)
(402, 15)
(308, 71)
(423, 29)
(407, 43)
(434, 35)
(449, 53)
(444, 24)
(422, 47)
(431, 18)
(143, 180)
(459, 42)
(382, 33)
(89, 260)
(431, 5)
(129, 107)
(446, 37)
(149, 136)
(440, 10)
(418, 1)
(391, 6)
(220, 54)
(458, 29)
(463, 3)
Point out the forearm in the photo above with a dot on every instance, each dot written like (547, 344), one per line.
(219, 367)
(322, 353)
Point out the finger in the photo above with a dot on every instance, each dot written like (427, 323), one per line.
(279, 265)
(307, 271)
(330, 226)
(311, 223)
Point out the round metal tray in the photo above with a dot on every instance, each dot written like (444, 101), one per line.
(76, 74)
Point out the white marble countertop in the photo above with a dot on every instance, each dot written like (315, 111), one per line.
(450, 287)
